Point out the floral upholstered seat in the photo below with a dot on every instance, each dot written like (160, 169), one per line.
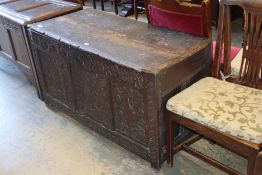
(224, 106)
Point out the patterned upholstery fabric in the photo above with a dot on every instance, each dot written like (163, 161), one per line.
(224, 106)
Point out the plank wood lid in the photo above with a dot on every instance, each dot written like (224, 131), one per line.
(30, 11)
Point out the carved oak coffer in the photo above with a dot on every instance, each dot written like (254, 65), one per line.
(115, 75)
(14, 16)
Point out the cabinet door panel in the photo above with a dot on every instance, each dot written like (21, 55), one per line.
(5, 44)
(20, 49)
(55, 75)
(91, 89)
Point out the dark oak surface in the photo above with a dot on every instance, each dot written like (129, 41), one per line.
(114, 75)
(14, 16)
(29, 11)
(130, 43)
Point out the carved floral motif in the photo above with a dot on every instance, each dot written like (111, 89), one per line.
(10, 25)
(109, 95)
(129, 114)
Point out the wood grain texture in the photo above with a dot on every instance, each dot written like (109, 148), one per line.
(251, 64)
(14, 15)
(113, 79)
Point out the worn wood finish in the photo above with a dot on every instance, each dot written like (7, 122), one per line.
(250, 75)
(178, 6)
(14, 16)
(81, 2)
(251, 65)
(114, 75)
(258, 167)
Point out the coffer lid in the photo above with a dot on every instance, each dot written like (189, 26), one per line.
(30, 11)
(131, 43)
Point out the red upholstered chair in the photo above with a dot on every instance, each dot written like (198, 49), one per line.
(181, 16)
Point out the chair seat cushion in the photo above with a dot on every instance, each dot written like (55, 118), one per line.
(224, 106)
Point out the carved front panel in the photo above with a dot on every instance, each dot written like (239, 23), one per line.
(117, 101)
(91, 89)
(11, 25)
(128, 100)
(20, 49)
(1, 20)
(53, 66)
(56, 77)
(110, 94)
(13, 44)
(5, 44)
(129, 111)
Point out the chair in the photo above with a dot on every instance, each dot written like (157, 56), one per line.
(181, 16)
(246, 68)
(227, 113)
(135, 6)
(115, 2)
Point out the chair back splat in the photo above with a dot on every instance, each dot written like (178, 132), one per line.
(249, 73)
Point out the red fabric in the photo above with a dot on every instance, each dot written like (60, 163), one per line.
(181, 22)
(234, 52)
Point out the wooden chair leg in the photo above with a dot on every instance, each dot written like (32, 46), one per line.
(258, 164)
(94, 4)
(115, 4)
(135, 9)
(102, 5)
(82, 2)
(170, 140)
(251, 164)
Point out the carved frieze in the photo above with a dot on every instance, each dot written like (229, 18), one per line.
(53, 47)
(124, 74)
(10, 25)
